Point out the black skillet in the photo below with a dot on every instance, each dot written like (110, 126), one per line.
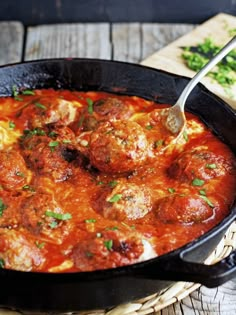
(99, 289)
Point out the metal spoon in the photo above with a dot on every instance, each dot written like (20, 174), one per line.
(174, 117)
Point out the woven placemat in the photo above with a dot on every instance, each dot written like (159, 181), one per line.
(158, 301)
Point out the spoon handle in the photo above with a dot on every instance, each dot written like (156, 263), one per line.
(194, 81)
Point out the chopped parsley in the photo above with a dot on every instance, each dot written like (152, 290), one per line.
(90, 105)
(39, 105)
(2, 207)
(158, 143)
(198, 182)
(58, 216)
(28, 92)
(112, 184)
(66, 141)
(12, 125)
(185, 135)
(202, 192)
(207, 201)
(2, 263)
(197, 56)
(108, 244)
(90, 220)
(52, 134)
(27, 133)
(53, 145)
(115, 198)
(112, 228)
(40, 245)
(211, 166)
(28, 187)
(53, 224)
(171, 190)
(20, 174)
(149, 127)
(14, 91)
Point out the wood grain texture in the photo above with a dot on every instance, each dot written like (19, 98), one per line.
(68, 40)
(11, 42)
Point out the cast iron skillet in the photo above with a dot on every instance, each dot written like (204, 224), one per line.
(88, 290)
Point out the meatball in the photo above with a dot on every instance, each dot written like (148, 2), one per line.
(10, 203)
(125, 201)
(111, 249)
(118, 147)
(18, 252)
(13, 171)
(112, 108)
(183, 209)
(42, 215)
(198, 163)
(50, 157)
(46, 111)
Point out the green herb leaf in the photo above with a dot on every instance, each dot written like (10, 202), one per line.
(113, 228)
(90, 220)
(185, 135)
(171, 190)
(202, 192)
(19, 99)
(198, 182)
(115, 198)
(39, 105)
(28, 187)
(207, 201)
(100, 183)
(2, 263)
(108, 244)
(112, 184)
(90, 105)
(53, 145)
(20, 174)
(2, 207)
(66, 141)
(211, 166)
(12, 125)
(14, 91)
(28, 92)
(149, 127)
(158, 143)
(58, 216)
(52, 134)
(53, 225)
(40, 245)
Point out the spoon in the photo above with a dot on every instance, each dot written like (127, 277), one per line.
(174, 117)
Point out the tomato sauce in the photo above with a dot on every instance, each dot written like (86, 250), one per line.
(88, 182)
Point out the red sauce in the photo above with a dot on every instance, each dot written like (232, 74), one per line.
(86, 181)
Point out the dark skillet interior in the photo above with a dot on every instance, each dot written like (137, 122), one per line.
(72, 292)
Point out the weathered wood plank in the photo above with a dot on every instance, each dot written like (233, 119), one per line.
(157, 36)
(11, 42)
(68, 40)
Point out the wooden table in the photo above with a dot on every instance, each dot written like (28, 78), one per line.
(128, 42)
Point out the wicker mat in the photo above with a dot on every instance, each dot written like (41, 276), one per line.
(156, 302)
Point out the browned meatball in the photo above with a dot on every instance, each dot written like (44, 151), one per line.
(125, 201)
(183, 209)
(10, 203)
(42, 215)
(110, 249)
(50, 156)
(118, 147)
(13, 171)
(112, 108)
(198, 163)
(18, 252)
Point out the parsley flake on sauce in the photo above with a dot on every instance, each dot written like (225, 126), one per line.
(198, 182)
(39, 105)
(12, 125)
(90, 220)
(108, 244)
(58, 216)
(28, 92)
(53, 145)
(2, 263)
(112, 184)
(2, 207)
(171, 190)
(90, 105)
(40, 245)
(185, 135)
(115, 198)
(211, 166)
(207, 201)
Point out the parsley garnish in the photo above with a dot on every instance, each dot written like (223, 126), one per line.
(40, 245)
(115, 198)
(202, 192)
(12, 125)
(108, 244)
(53, 144)
(28, 92)
(28, 187)
(207, 201)
(20, 174)
(171, 190)
(2, 207)
(198, 182)
(112, 184)
(158, 143)
(2, 263)
(90, 105)
(149, 127)
(58, 216)
(185, 135)
(39, 105)
(90, 220)
(211, 166)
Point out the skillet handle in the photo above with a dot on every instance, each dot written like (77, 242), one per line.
(178, 269)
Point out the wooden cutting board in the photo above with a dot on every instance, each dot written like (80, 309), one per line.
(219, 28)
